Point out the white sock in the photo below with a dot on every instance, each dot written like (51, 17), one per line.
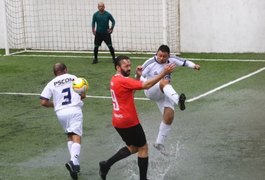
(75, 152)
(69, 145)
(164, 130)
(171, 93)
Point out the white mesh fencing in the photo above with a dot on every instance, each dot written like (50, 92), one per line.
(66, 24)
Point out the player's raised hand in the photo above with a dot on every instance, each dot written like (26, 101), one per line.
(139, 70)
(169, 67)
(94, 31)
(110, 30)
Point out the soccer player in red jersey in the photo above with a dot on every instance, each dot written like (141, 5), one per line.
(124, 116)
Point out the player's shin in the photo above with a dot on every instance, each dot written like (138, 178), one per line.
(164, 130)
(75, 152)
(69, 145)
(143, 166)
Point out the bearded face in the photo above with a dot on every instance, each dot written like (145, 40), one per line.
(125, 68)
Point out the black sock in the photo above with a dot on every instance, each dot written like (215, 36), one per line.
(96, 53)
(143, 166)
(111, 49)
(121, 154)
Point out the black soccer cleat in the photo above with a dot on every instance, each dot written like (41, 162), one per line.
(78, 169)
(182, 99)
(103, 170)
(72, 170)
(95, 61)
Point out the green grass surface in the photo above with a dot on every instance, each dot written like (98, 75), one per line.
(33, 145)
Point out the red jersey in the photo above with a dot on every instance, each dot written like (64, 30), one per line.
(124, 113)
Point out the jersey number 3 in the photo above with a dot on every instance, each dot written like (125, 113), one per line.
(67, 96)
(114, 101)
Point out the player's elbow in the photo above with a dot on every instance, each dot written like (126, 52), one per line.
(83, 95)
(147, 85)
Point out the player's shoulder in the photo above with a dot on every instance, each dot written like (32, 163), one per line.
(149, 61)
(66, 75)
(175, 58)
(70, 75)
(120, 81)
(96, 13)
(107, 12)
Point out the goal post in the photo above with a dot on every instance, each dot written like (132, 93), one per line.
(65, 25)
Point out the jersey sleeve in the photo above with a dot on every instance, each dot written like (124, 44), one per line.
(132, 84)
(146, 67)
(145, 72)
(46, 93)
(94, 21)
(181, 61)
(112, 21)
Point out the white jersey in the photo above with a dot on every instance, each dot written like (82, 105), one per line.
(60, 89)
(152, 67)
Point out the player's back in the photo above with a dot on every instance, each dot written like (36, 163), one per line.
(63, 93)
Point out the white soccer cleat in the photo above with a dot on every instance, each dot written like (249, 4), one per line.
(161, 148)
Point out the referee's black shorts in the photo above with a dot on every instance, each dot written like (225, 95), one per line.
(99, 37)
(134, 136)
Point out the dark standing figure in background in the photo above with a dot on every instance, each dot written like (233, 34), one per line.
(102, 32)
(124, 116)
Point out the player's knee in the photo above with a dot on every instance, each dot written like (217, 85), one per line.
(163, 83)
(143, 151)
(132, 149)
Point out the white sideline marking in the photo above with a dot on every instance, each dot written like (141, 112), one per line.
(90, 57)
(36, 94)
(225, 85)
(146, 99)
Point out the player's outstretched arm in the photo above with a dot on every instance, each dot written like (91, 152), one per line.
(167, 69)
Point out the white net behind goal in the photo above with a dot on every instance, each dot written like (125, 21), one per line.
(63, 25)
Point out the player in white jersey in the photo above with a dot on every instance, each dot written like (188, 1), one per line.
(163, 93)
(67, 104)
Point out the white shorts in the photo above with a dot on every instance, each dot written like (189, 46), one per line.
(155, 94)
(71, 120)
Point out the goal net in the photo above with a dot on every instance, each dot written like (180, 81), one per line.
(65, 25)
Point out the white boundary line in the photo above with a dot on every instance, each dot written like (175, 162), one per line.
(36, 94)
(225, 85)
(146, 99)
(139, 57)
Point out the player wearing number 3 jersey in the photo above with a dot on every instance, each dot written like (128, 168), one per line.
(124, 115)
(68, 107)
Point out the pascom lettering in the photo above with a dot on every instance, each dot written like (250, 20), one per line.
(63, 81)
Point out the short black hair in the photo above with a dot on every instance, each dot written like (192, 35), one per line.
(58, 68)
(118, 59)
(164, 48)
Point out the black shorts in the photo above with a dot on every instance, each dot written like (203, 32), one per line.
(99, 37)
(134, 136)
